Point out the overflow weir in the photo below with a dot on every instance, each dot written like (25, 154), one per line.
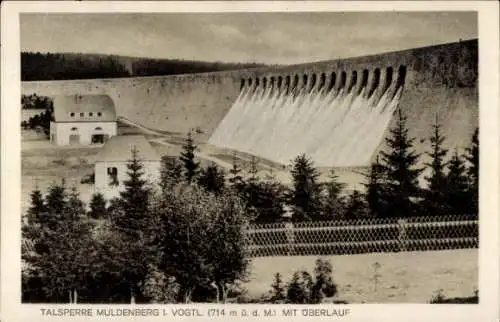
(337, 112)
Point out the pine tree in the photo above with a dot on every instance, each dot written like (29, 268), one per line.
(212, 179)
(333, 203)
(191, 167)
(278, 289)
(472, 156)
(306, 192)
(457, 195)
(135, 197)
(355, 207)
(37, 206)
(253, 170)
(132, 222)
(97, 206)
(401, 172)
(434, 195)
(374, 189)
(60, 258)
(170, 172)
(269, 198)
(236, 180)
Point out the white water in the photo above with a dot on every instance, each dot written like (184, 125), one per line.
(333, 128)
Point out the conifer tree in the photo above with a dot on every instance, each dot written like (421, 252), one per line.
(236, 180)
(170, 172)
(374, 189)
(132, 223)
(212, 179)
(457, 195)
(269, 200)
(434, 195)
(306, 192)
(401, 188)
(278, 289)
(134, 196)
(472, 156)
(253, 170)
(333, 203)
(97, 206)
(37, 206)
(191, 167)
(55, 203)
(60, 256)
(355, 206)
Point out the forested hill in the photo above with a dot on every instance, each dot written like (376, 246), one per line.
(49, 66)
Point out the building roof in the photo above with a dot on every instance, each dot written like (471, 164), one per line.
(119, 149)
(84, 108)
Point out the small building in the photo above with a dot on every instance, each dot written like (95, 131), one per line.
(82, 119)
(111, 170)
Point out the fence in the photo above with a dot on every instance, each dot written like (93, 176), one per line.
(363, 236)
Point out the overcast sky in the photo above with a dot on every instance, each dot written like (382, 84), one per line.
(273, 38)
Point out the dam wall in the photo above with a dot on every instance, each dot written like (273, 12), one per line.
(337, 111)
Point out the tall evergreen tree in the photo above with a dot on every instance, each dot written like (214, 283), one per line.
(191, 167)
(374, 189)
(55, 203)
(170, 172)
(235, 179)
(333, 203)
(97, 206)
(458, 199)
(355, 206)
(434, 195)
(212, 179)
(401, 172)
(134, 197)
(269, 198)
(132, 223)
(37, 206)
(472, 156)
(60, 256)
(253, 170)
(306, 192)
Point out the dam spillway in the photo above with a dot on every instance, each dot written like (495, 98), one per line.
(334, 121)
(333, 110)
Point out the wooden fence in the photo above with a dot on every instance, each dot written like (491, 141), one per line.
(363, 236)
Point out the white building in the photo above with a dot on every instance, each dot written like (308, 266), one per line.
(82, 119)
(111, 163)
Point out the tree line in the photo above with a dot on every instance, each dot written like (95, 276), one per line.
(183, 238)
(30, 102)
(392, 188)
(36, 66)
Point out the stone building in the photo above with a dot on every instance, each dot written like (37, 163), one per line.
(83, 119)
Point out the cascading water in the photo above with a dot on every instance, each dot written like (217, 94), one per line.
(339, 127)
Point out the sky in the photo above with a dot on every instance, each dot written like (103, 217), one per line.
(271, 38)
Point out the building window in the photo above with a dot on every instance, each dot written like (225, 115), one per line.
(113, 176)
(82, 114)
(72, 114)
(99, 113)
(90, 114)
(74, 128)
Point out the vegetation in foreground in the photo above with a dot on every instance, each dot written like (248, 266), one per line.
(184, 240)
